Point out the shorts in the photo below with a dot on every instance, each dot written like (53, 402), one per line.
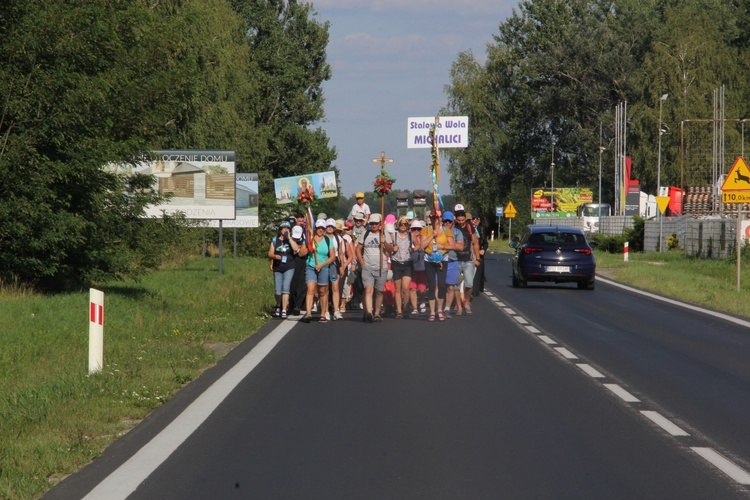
(372, 276)
(282, 281)
(418, 281)
(333, 272)
(451, 276)
(467, 269)
(401, 269)
(320, 277)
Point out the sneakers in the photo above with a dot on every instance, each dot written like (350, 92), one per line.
(315, 307)
(325, 317)
(277, 311)
(283, 314)
(447, 314)
(422, 308)
(441, 316)
(468, 310)
(337, 315)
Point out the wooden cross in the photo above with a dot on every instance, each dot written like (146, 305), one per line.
(382, 160)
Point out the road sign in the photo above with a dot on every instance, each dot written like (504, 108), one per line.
(499, 211)
(735, 197)
(738, 178)
(663, 203)
(510, 210)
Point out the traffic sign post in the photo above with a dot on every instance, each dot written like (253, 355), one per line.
(96, 330)
(736, 189)
(510, 213)
(662, 202)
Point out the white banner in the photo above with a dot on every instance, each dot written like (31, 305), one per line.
(451, 132)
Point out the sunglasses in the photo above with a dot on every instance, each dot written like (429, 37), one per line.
(415, 229)
(403, 223)
(447, 222)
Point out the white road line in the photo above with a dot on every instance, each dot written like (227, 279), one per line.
(532, 329)
(508, 310)
(590, 370)
(664, 423)
(622, 393)
(566, 353)
(699, 309)
(724, 465)
(124, 481)
(547, 340)
(521, 320)
(501, 304)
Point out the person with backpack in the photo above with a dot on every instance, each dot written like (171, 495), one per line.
(484, 244)
(317, 273)
(436, 242)
(372, 250)
(401, 266)
(468, 258)
(281, 252)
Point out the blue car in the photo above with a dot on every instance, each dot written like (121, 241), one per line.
(553, 253)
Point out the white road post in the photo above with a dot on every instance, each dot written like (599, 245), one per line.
(96, 330)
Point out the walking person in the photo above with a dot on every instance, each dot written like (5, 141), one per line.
(436, 242)
(281, 252)
(484, 244)
(373, 249)
(317, 272)
(298, 287)
(360, 207)
(418, 285)
(401, 266)
(468, 257)
(452, 275)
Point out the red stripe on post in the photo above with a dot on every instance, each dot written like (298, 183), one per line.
(101, 315)
(92, 313)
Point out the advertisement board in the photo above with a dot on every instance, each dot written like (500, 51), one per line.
(246, 203)
(562, 202)
(323, 185)
(200, 183)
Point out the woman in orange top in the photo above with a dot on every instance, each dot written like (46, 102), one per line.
(436, 242)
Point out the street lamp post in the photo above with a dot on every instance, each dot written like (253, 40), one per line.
(658, 171)
(552, 199)
(601, 150)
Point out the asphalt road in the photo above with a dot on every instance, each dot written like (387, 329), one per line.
(545, 392)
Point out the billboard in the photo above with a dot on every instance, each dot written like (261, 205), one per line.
(562, 202)
(246, 203)
(451, 132)
(200, 183)
(323, 185)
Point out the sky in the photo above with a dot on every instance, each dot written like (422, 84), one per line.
(391, 60)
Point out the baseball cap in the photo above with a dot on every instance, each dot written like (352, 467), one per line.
(322, 215)
(285, 223)
(448, 216)
(375, 218)
(297, 232)
(349, 224)
(320, 223)
(330, 222)
(410, 214)
(468, 216)
(359, 195)
(458, 207)
(415, 224)
(358, 215)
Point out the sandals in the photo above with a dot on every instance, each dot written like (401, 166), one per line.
(306, 318)
(399, 316)
(283, 314)
(377, 317)
(441, 315)
(323, 319)
(431, 317)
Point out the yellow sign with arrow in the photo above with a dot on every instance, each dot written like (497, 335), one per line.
(510, 210)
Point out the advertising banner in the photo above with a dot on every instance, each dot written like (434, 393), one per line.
(200, 183)
(564, 203)
(452, 132)
(246, 203)
(323, 185)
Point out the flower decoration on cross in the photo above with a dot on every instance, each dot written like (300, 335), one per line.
(383, 183)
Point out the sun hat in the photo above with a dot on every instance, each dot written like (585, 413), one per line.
(297, 232)
(416, 224)
(320, 223)
(375, 218)
(340, 224)
(359, 215)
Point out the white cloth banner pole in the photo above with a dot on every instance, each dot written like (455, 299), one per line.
(96, 330)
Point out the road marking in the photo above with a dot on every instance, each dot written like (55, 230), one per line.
(723, 464)
(590, 370)
(532, 329)
(566, 353)
(500, 303)
(622, 393)
(664, 423)
(508, 310)
(124, 481)
(521, 320)
(547, 340)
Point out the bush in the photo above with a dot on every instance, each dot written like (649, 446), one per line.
(610, 244)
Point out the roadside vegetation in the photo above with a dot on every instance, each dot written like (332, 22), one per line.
(159, 334)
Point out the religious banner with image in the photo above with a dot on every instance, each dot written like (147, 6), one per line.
(323, 185)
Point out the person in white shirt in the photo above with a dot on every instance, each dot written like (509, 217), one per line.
(360, 207)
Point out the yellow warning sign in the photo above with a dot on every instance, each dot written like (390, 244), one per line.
(738, 178)
(663, 203)
(510, 210)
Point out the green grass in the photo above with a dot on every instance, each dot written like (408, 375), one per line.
(54, 417)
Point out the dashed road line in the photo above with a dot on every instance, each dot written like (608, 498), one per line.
(723, 464)
(532, 329)
(622, 393)
(547, 340)
(664, 423)
(566, 353)
(590, 370)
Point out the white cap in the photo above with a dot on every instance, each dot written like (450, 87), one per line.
(416, 224)
(359, 215)
(297, 232)
(375, 218)
(330, 222)
(320, 223)
(458, 207)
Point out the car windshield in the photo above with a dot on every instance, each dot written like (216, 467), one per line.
(552, 238)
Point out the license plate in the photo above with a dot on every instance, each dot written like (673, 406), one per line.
(558, 269)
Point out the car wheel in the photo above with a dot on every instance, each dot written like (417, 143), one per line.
(586, 285)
